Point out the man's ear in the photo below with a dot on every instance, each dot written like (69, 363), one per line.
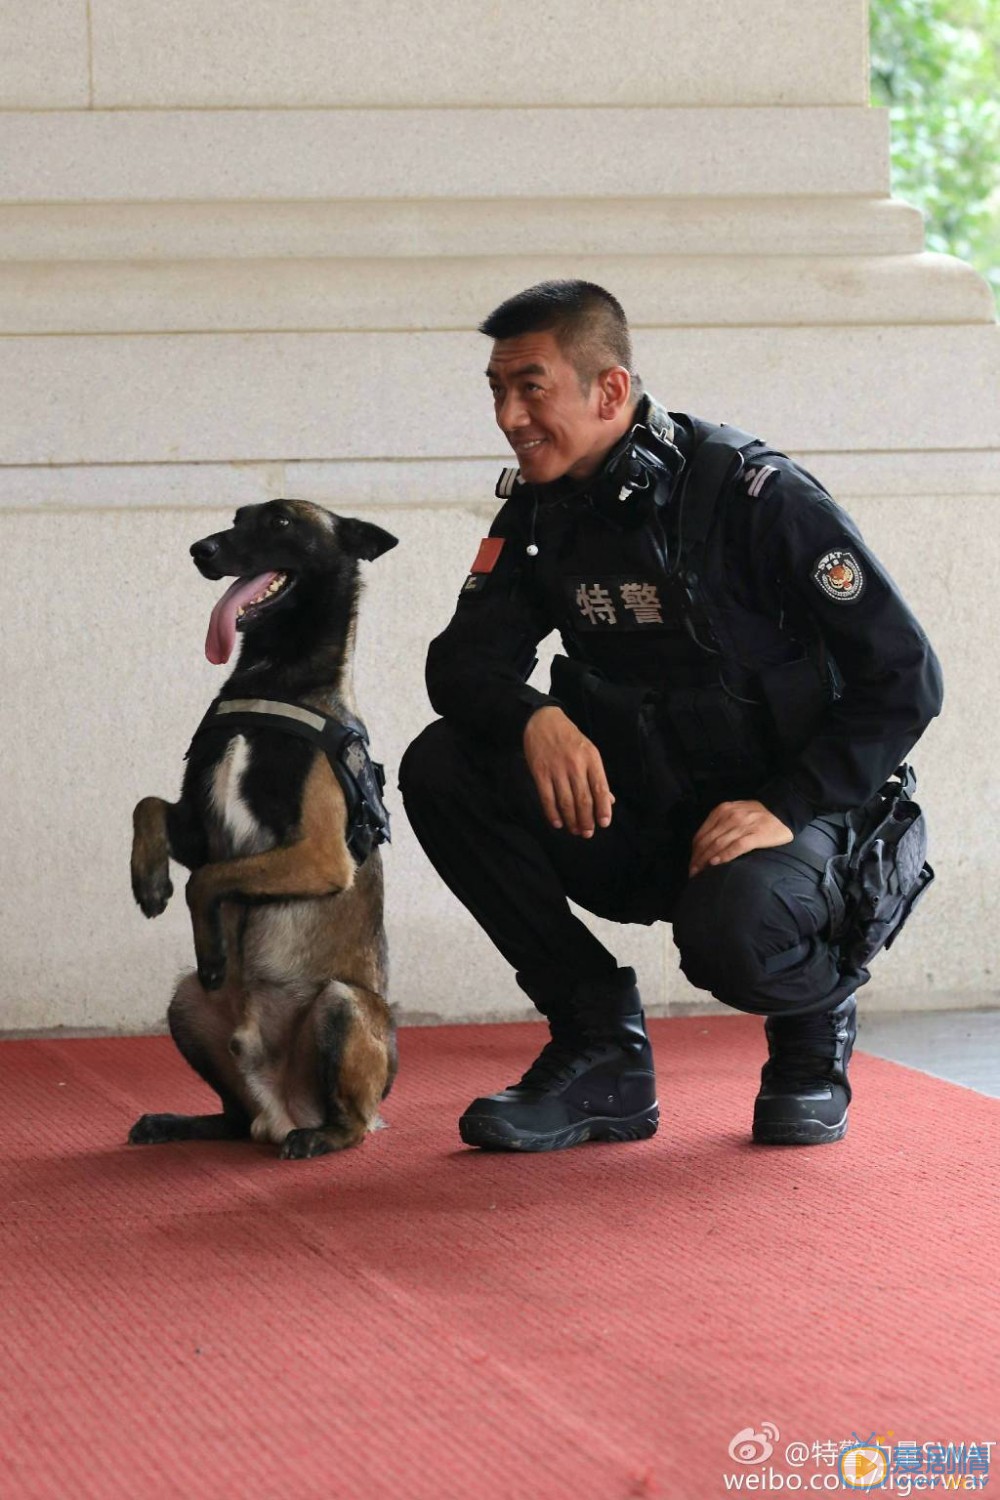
(363, 538)
(616, 388)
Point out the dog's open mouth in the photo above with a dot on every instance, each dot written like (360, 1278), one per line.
(240, 605)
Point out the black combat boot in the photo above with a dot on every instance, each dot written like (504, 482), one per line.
(593, 1081)
(804, 1092)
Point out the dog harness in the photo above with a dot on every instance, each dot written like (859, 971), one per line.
(344, 742)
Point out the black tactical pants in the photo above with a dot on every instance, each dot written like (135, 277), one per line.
(754, 932)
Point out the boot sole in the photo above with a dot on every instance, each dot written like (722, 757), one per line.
(492, 1134)
(801, 1133)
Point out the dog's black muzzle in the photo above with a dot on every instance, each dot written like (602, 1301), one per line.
(208, 557)
(227, 554)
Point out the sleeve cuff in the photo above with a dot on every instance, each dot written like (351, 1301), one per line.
(525, 702)
(787, 805)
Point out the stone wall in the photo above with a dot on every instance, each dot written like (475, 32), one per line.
(242, 253)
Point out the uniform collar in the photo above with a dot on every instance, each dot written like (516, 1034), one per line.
(659, 421)
(649, 414)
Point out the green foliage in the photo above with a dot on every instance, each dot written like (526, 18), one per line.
(936, 65)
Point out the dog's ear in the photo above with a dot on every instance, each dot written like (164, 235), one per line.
(363, 539)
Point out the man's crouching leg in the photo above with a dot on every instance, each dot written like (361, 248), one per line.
(477, 816)
(754, 933)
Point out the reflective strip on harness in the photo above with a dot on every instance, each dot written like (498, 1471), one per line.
(269, 706)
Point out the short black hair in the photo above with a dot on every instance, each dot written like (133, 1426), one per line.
(589, 325)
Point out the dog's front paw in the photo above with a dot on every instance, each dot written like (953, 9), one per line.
(298, 1145)
(152, 892)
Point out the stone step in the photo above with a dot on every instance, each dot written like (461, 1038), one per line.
(65, 53)
(351, 484)
(312, 52)
(456, 293)
(66, 156)
(146, 398)
(406, 228)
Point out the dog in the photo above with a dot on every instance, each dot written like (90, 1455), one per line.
(278, 820)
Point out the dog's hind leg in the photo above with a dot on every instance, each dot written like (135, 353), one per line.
(161, 831)
(348, 1046)
(200, 1031)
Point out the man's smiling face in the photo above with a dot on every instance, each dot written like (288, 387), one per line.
(554, 426)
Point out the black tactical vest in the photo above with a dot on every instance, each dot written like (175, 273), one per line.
(638, 578)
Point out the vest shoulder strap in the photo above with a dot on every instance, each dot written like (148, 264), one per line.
(715, 459)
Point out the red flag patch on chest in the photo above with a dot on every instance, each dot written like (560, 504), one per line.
(490, 549)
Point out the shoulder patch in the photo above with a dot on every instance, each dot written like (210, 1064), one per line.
(485, 559)
(839, 576)
(506, 482)
(757, 476)
(483, 564)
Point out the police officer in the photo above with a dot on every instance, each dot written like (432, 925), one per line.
(740, 672)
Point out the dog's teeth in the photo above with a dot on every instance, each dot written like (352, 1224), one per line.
(273, 587)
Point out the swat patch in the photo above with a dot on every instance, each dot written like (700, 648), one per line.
(840, 576)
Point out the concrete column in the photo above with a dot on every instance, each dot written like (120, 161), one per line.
(245, 257)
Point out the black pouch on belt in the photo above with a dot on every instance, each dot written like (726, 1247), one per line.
(622, 721)
(886, 870)
(872, 887)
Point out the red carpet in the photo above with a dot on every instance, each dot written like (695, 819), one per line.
(415, 1321)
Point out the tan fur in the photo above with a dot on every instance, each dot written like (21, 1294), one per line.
(317, 864)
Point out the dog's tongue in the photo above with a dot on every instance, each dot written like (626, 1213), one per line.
(221, 636)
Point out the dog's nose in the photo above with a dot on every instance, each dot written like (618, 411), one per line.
(204, 550)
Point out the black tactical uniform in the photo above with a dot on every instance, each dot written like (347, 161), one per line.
(771, 658)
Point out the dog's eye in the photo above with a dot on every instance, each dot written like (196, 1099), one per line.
(277, 522)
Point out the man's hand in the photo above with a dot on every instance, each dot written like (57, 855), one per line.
(568, 772)
(734, 828)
